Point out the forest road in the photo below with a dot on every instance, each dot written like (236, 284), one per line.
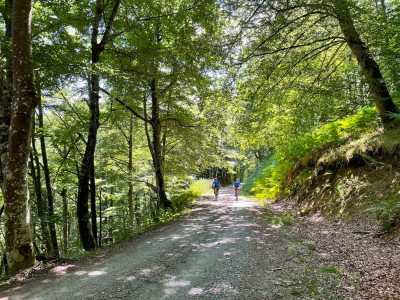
(220, 250)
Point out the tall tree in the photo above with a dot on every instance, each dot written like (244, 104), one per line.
(130, 171)
(298, 70)
(87, 167)
(65, 221)
(367, 63)
(164, 55)
(18, 230)
(6, 81)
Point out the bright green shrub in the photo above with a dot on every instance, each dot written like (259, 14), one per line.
(258, 175)
(183, 200)
(186, 198)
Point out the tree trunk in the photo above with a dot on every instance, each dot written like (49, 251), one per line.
(65, 220)
(137, 213)
(41, 207)
(110, 222)
(50, 198)
(18, 229)
(87, 239)
(93, 202)
(367, 63)
(100, 219)
(85, 230)
(6, 91)
(130, 171)
(157, 147)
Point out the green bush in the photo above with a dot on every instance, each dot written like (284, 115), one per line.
(183, 200)
(186, 198)
(287, 219)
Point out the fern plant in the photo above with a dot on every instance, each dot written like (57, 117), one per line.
(388, 211)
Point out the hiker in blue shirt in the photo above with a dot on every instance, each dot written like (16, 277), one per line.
(216, 185)
(236, 185)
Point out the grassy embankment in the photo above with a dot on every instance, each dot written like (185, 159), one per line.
(345, 168)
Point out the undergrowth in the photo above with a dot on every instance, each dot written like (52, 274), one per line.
(180, 205)
(253, 178)
(388, 210)
(292, 159)
(186, 198)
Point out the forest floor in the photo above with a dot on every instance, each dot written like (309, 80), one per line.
(228, 249)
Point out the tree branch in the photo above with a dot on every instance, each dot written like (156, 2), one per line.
(126, 106)
(106, 34)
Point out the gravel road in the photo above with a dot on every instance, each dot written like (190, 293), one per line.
(221, 250)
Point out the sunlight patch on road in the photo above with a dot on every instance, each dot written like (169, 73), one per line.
(249, 225)
(168, 292)
(196, 291)
(174, 283)
(223, 218)
(276, 226)
(46, 281)
(97, 273)
(223, 288)
(130, 278)
(223, 241)
(61, 270)
(80, 273)
(147, 272)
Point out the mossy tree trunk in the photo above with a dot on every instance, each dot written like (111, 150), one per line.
(65, 220)
(5, 89)
(367, 63)
(18, 227)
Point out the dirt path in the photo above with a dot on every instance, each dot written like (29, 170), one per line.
(223, 249)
